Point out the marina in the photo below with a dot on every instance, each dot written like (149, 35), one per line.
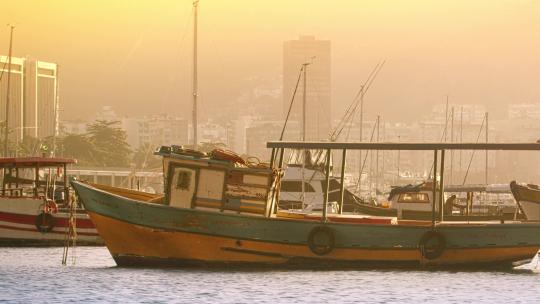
(347, 152)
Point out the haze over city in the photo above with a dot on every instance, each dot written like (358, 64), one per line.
(270, 151)
(136, 56)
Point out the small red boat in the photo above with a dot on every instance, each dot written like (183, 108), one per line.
(35, 204)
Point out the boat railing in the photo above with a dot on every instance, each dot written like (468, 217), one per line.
(439, 151)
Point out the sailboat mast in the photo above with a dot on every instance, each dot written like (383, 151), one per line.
(6, 127)
(304, 154)
(194, 118)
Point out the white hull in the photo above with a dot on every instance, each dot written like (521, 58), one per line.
(18, 217)
(531, 210)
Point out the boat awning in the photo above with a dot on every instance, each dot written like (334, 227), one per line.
(403, 146)
(491, 188)
(32, 162)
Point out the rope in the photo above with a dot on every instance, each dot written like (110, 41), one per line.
(472, 154)
(351, 110)
(365, 158)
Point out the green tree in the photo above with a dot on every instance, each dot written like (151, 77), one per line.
(78, 146)
(110, 143)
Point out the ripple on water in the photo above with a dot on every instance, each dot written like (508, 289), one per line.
(35, 275)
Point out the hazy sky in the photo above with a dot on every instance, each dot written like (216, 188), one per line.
(136, 54)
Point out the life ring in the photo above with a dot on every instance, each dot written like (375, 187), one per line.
(321, 240)
(432, 244)
(45, 222)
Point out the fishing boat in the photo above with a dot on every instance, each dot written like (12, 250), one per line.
(528, 198)
(217, 212)
(35, 205)
(303, 186)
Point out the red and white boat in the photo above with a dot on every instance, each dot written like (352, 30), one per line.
(35, 204)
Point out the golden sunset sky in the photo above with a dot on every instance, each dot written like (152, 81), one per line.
(136, 54)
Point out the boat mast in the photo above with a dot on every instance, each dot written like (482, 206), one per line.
(194, 118)
(6, 127)
(304, 154)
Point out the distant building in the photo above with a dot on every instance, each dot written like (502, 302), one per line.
(16, 100)
(162, 130)
(520, 111)
(41, 99)
(258, 134)
(307, 49)
(33, 108)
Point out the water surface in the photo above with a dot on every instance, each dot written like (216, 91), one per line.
(35, 275)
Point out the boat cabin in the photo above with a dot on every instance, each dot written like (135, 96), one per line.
(219, 182)
(412, 198)
(35, 177)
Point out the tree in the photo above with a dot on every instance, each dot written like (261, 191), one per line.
(78, 146)
(110, 143)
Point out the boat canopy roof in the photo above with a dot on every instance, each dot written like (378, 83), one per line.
(32, 162)
(403, 146)
(490, 188)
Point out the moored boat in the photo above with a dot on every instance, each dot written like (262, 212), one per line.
(217, 212)
(35, 204)
(528, 198)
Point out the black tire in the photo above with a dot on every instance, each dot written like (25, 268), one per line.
(432, 244)
(321, 240)
(45, 222)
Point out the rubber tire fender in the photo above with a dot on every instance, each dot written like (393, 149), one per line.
(434, 251)
(319, 232)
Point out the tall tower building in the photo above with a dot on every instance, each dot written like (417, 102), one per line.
(33, 102)
(16, 96)
(41, 99)
(317, 53)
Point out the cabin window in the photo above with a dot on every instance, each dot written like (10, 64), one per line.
(295, 186)
(182, 187)
(413, 198)
(183, 180)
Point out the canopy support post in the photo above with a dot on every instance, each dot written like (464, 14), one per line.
(342, 181)
(441, 188)
(327, 182)
(434, 188)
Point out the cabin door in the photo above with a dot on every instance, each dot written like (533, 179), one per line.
(182, 187)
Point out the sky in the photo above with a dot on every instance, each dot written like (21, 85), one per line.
(135, 55)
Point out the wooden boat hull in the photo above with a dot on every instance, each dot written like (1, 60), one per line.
(18, 216)
(141, 234)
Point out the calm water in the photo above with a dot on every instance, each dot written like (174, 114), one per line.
(35, 275)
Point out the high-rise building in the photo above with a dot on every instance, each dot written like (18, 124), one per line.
(16, 96)
(316, 53)
(33, 102)
(41, 99)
